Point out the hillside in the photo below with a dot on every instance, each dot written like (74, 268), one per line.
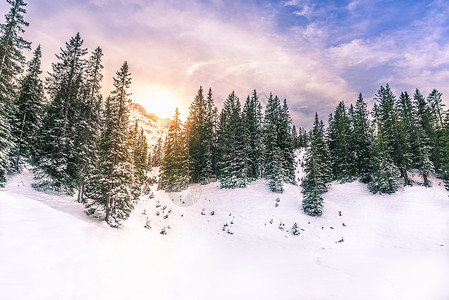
(153, 126)
(227, 244)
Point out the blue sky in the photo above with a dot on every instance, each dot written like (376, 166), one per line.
(313, 53)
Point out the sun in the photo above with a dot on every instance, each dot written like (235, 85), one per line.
(160, 100)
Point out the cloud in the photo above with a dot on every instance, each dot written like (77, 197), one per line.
(313, 54)
(353, 5)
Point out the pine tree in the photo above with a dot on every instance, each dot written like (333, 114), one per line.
(427, 119)
(286, 144)
(149, 161)
(384, 172)
(111, 187)
(362, 139)
(201, 134)
(28, 116)
(140, 157)
(89, 119)
(230, 147)
(273, 164)
(340, 146)
(157, 155)
(424, 163)
(251, 118)
(274, 159)
(58, 158)
(173, 172)
(435, 102)
(12, 43)
(295, 137)
(383, 176)
(11, 61)
(317, 169)
(444, 152)
(211, 136)
(403, 142)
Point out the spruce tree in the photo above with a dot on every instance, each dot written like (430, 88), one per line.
(384, 172)
(340, 135)
(111, 187)
(362, 139)
(173, 173)
(12, 43)
(317, 169)
(403, 142)
(58, 155)
(211, 136)
(11, 61)
(251, 118)
(201, 128)
(89, 119)
(230, 147)
(383, 176)
(444, 152)
(295, 137)
(157, 155)
(427, 119)
(435, 102)
(140, 156)
(286, 144)
(274, 159)
(28, 116)
(424, 162)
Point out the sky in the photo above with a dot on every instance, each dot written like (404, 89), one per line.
(312, 53)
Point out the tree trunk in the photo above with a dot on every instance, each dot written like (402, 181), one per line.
(405, 176)
(81, 190)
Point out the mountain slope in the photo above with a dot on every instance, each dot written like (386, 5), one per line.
(153, 126)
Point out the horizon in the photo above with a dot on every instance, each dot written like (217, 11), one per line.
(312, 53)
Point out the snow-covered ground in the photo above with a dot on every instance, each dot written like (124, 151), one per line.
(380, 247)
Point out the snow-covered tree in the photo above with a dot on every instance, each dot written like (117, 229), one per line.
(274, 159)
(362, 139)
(28, 116)
(89, 119)
(384, 172)
(318, 172)
(58, 156)
(252, 126)
(111, 187)
(340, 144)
(174, 168)
(403, 155)
(157, 154)
(286, 144)
(11, 62)
(201, 131)
(231, 168)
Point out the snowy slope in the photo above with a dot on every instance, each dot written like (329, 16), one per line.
(394, 246)
(153, 126)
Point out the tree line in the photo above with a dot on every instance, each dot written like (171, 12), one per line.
(78, 142)
(379, 146)
(236, 146)
(75, 140)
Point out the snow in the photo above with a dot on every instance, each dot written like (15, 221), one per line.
(153, 127)
(395, 246)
